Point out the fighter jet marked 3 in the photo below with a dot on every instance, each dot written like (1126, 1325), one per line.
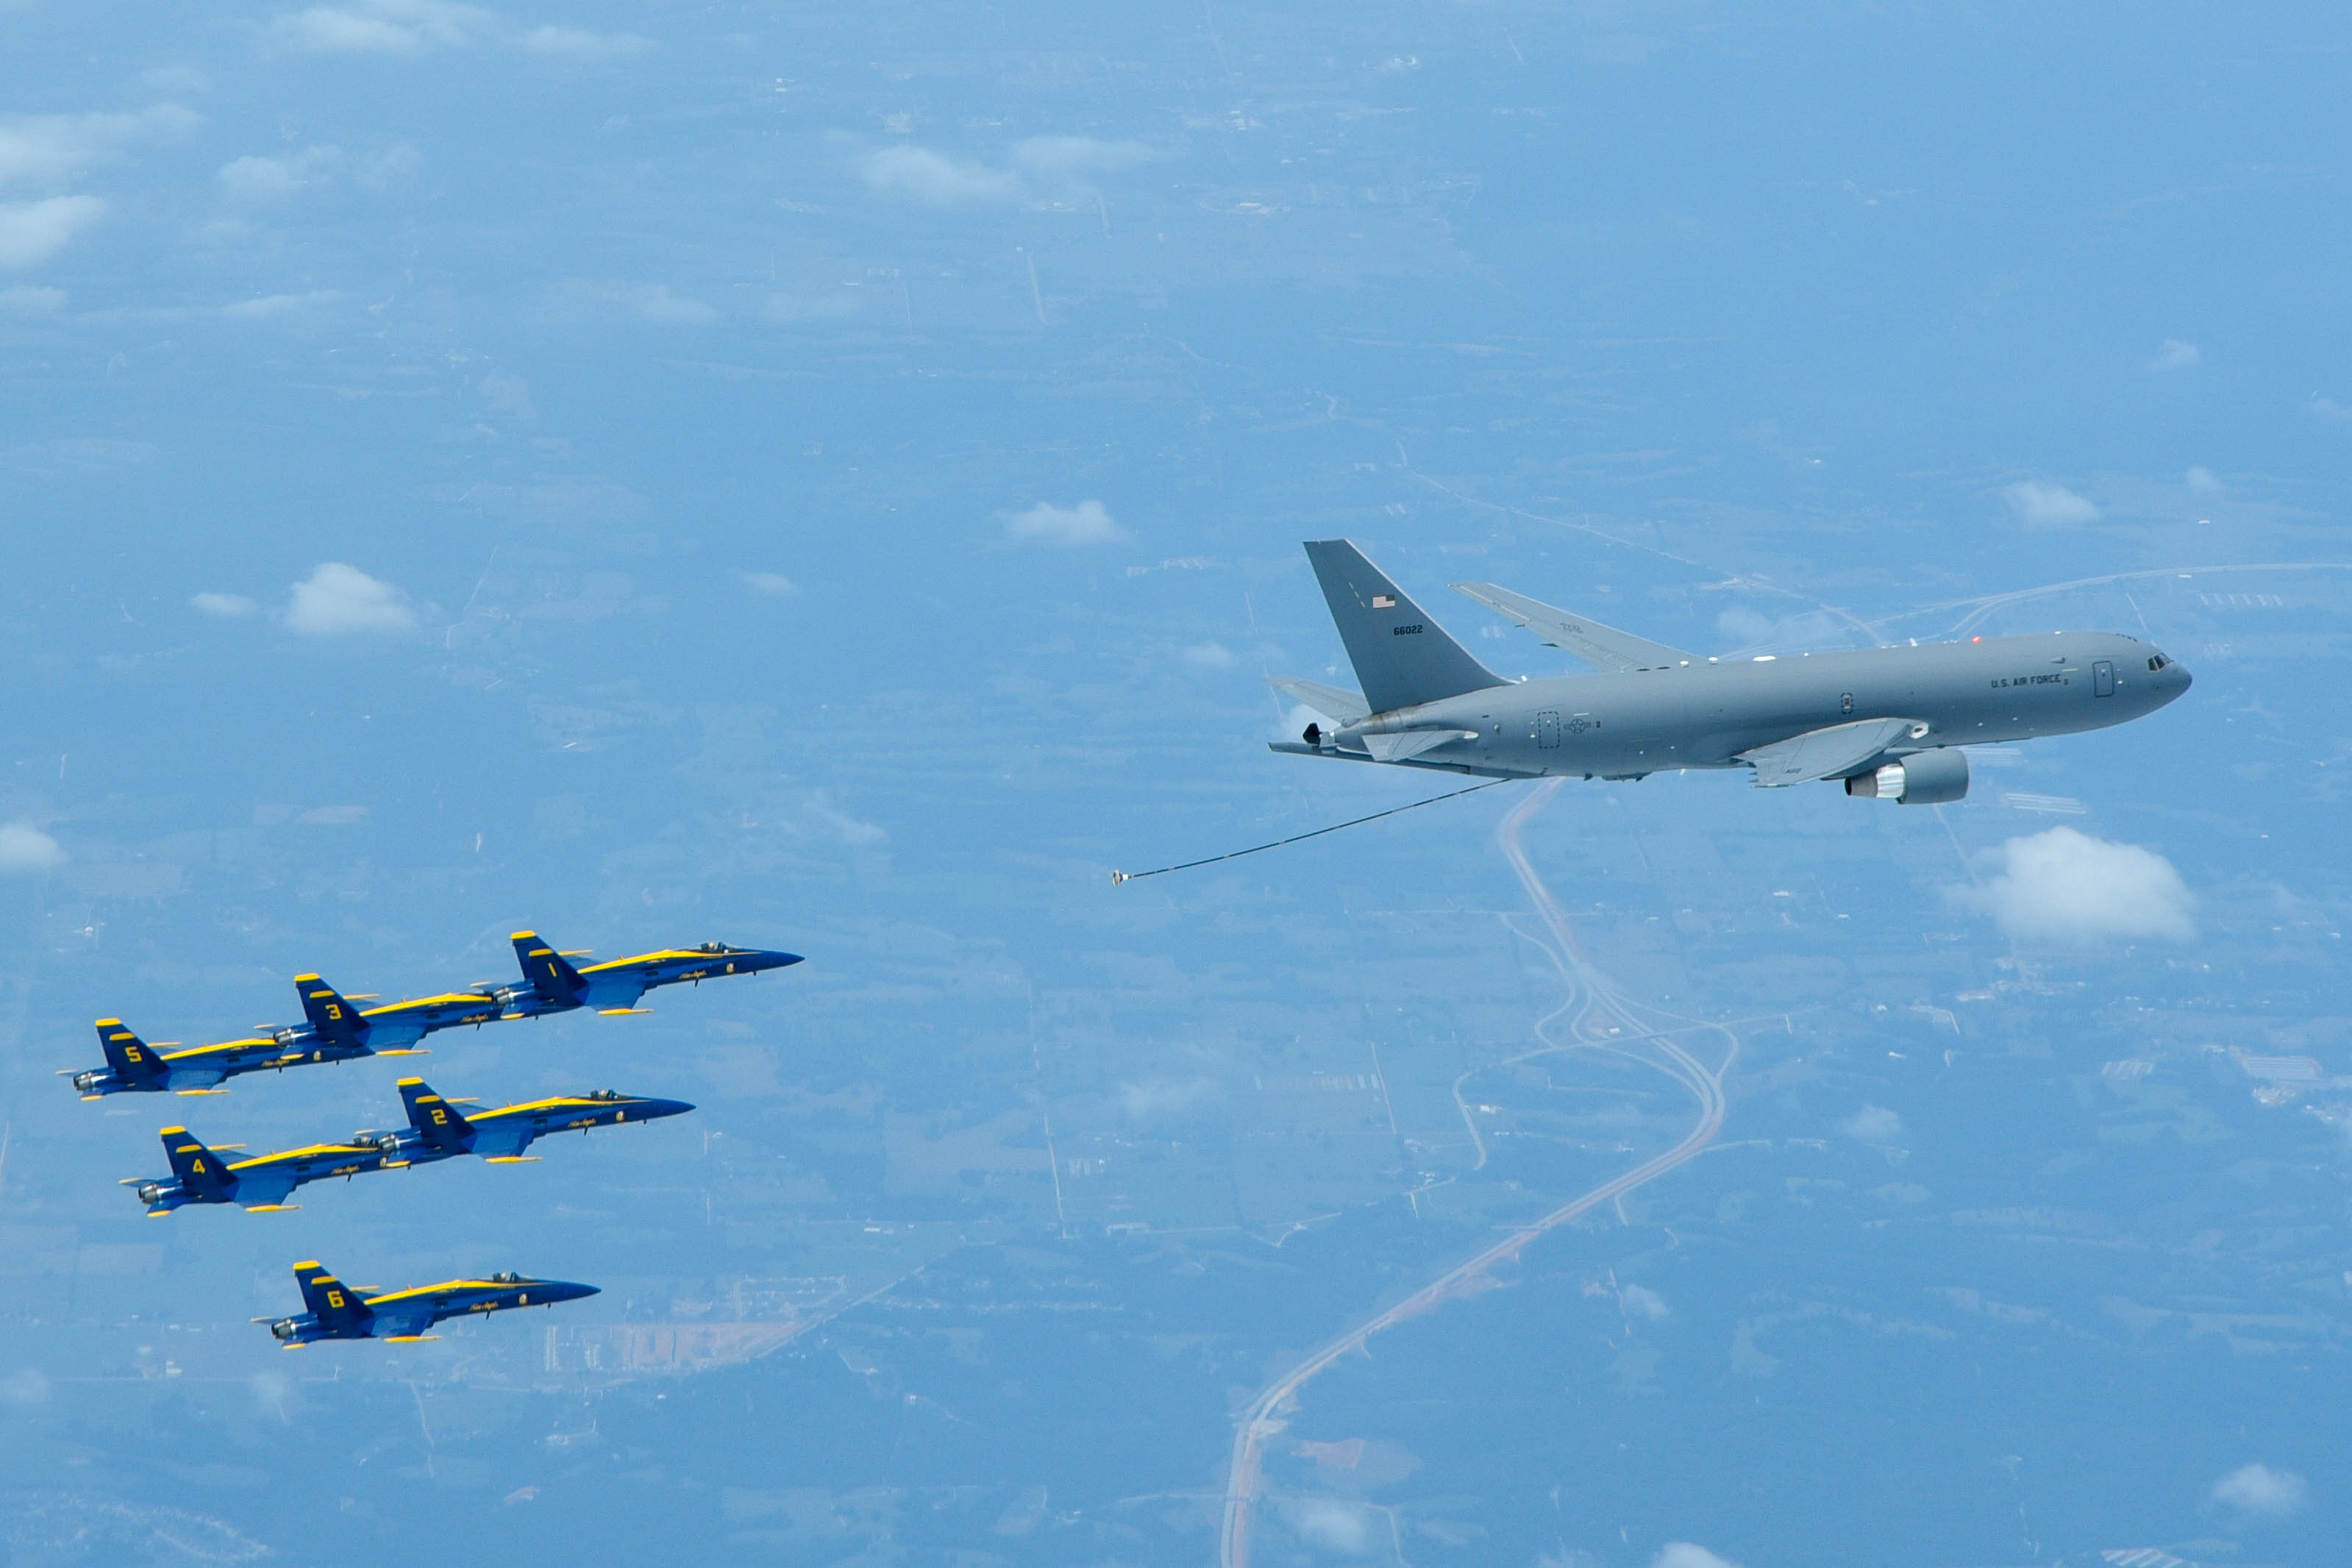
(550, 985)
(1886, 721)
(437, 1131)
(340, 1311)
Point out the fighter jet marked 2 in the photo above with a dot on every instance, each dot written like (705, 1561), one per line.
(339, 1311)
(437, 1131)
(134, 1066)
(1886, 721)
(199, 1174)
(550, 985)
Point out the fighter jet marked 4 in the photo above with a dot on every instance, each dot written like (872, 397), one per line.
(437, 1131)
(199, 1174)
(339, 1311)
(1886, 721)
(550, 983)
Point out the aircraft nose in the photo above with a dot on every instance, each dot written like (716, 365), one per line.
(564, 1291)
(652, 1108)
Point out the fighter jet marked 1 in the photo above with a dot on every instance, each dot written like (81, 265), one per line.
(340, 1311)
(199, 1174)
(437, 1131)
(550, 985)
(134, 1066)
(1886, 722)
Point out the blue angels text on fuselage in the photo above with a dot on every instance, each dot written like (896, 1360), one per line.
(340, 1311)
(436, 1131)
(1887, 723)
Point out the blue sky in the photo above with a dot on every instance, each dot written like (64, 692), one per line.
(833, 480)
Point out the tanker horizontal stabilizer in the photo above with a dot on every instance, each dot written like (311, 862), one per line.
(1826, 753)
(1405, 745)
(1605, 647)
(1344, 706)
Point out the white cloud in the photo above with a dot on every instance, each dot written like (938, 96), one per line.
(280, 304)
(2038, 505)
(2173, 355)
(574, 43)
(1333, 1526)
(32, 232)
(226, 606)
(26, 1388)
(1744, 625)
(850, 830)
(635, 302)
(337, 599)
(26, 300)
(381, 27)
(25, 848)
(1641, 1302)
(43, 149)
(1683, 1555)
(257, 179)
(769, 583)
(921, 175)
(2068, 887)
(1874, 1124)
(1045, 523)
(2329, 409)
(1209, 656)
(2202, 480)
(2258, 1489)
(1156, 1096)
(1072, 158)
(1042, 166)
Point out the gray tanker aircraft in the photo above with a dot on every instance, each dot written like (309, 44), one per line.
(1886, 721)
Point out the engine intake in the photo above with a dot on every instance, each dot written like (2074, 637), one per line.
(1923, 778)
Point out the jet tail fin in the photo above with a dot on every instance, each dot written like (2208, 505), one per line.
(335, 1304)
(1329, 701)
(436, 1121)
(1401, 656)
(550, 973)
(199, 1169)
(329, 1012)
(130, 1058)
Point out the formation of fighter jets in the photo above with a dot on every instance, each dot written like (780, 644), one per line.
(333, 1029)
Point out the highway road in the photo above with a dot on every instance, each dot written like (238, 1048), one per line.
(1643, 1033)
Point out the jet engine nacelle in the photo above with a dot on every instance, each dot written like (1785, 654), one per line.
(150, 1193)
(1923, 778)
(85, 1082)
(284, 1329)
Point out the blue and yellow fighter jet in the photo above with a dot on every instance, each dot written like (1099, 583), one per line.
(340, 1311)
(550, 985)
(134, 1066)
(332, 1030)
(199, 1174)
(436, 1131)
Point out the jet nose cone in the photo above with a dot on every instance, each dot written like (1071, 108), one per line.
(652, 1108)
(778, 960)
(564, 1291)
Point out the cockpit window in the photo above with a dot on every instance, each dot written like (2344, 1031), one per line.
(2157, 661)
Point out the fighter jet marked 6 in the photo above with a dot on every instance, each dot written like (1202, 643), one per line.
(1886, 721)
(134, 1066)
(199, 1174)
(437, 1131)
(550, 985)
(340, 1311)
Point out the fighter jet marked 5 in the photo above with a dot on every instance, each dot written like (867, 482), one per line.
(1886, 721)
(550, 985)
(339, 1311)
(134, 1066)
(437, 1131)
(199, 1174)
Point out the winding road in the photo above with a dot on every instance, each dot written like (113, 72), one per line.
(1636, 1037)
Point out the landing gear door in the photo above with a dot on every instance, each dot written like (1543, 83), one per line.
(2103, 678)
